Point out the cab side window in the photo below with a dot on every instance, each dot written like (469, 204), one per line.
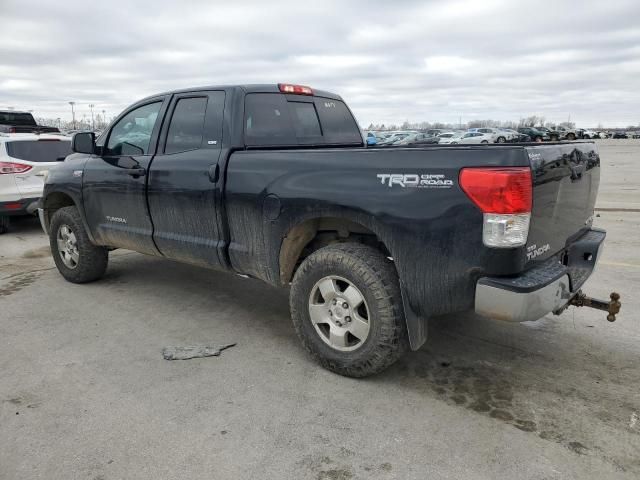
(132, 134)
(187, 125)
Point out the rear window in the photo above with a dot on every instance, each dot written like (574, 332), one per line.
(10, 118)
(274, 119)
(39, 150)
(338, 124)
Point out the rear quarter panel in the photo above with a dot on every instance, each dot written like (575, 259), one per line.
(434, 233)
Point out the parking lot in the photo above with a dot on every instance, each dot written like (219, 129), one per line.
(85, 392)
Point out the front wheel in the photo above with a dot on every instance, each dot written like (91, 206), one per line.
(77, 259)
(571, 137)
(501, 140)
(484, 142)
(346, 308)
(4, 224)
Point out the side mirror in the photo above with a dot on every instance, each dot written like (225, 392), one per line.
(84, 142)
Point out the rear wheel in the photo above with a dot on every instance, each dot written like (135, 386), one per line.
(347, 309)
(538, 139)
(571, 136)
(4, 224)
(77, 259)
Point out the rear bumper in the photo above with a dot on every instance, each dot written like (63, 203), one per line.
(23, 206)
(543, 289)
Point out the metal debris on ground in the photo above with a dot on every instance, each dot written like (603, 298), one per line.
(196, 351)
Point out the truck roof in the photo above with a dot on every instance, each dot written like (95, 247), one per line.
(248, 88)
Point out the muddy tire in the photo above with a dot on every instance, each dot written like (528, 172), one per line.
(347, 310)
(4, 224)
(77, 259)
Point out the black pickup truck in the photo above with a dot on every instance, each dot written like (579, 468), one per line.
(275, 182)
(21, 122)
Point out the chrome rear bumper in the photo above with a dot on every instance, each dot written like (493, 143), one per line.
(546, 288)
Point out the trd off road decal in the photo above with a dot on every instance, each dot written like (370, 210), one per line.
(414, 180)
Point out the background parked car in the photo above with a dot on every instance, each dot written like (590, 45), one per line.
(24, 159)
(620, 134)
(450, 138)
(418, 139)
(511, 135)
(534, 134)
(477, 137)
(371, 138)
(395, 137)
(588, 134)
(565, 133)
(496, 135)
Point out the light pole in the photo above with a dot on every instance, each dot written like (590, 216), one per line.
(73, 114)
(104, 118)
(93, 125)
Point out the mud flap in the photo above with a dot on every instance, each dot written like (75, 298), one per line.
(416, 325)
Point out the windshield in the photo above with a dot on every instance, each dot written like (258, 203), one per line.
(39, 150)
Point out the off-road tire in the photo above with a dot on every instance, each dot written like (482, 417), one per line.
(92, 261)
(4, 224)
(376, 278)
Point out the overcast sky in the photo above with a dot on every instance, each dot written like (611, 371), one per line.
(392, 61)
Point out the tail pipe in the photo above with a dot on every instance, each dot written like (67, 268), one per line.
(612, 307)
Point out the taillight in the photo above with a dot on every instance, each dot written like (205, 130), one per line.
(295, 89)
(504, 195)
(10, 167)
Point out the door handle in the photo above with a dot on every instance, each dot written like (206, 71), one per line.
(214, 173)
(137, 172)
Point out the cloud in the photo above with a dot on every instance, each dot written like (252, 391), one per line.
(392, 61)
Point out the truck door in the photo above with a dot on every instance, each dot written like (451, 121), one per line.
(183, 190)
(114, 179)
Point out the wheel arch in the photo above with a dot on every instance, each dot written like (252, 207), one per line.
(53, 201)
(310, 234)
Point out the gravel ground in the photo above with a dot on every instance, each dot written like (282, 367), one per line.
(85, 393)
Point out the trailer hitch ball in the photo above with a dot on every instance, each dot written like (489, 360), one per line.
(612, 307)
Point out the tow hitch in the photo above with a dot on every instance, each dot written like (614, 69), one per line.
(612, 306)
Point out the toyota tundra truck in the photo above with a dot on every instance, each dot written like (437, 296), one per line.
(275, 182)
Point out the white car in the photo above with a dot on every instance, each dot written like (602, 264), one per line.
(496, 134)
(477, 137)
(24, 160)
(450, 138)
(587, 134)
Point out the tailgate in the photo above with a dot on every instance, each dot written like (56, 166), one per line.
(565, 186)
